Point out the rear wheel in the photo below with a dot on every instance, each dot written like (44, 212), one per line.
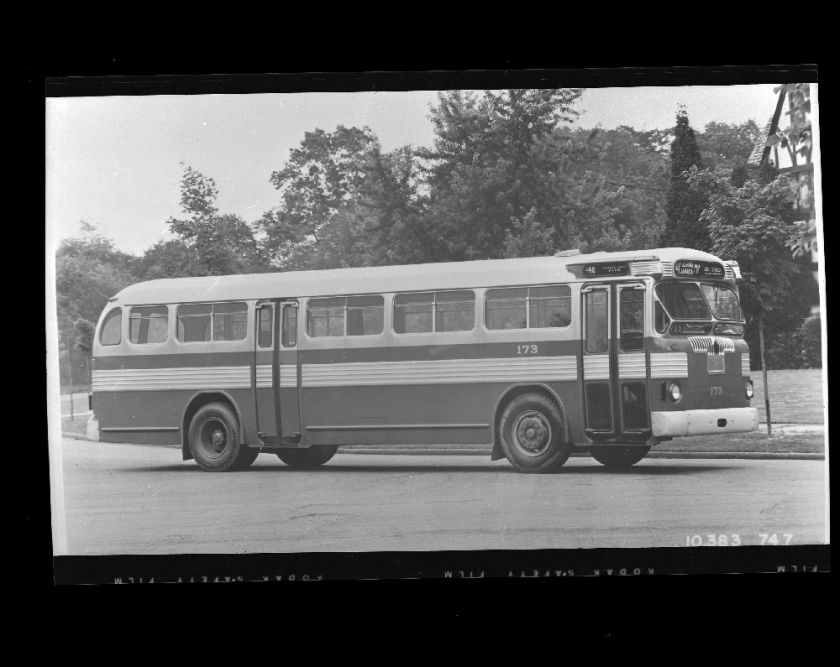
(531, 434)
(618, 458)
(311, 457)
(215, 439)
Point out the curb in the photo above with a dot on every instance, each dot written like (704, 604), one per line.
(652, 455)
(400, 451)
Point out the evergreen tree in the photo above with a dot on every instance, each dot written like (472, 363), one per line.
(683, 226)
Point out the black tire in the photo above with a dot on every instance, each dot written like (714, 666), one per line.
(215, 439)
(247, 457)
(308, 458)
(619, 458)
(531, 434)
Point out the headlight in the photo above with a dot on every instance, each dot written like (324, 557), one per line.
(748, 389)
(674, 392)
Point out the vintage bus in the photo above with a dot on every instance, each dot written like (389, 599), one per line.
(605, 353)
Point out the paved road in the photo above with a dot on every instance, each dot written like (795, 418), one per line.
(135, 499)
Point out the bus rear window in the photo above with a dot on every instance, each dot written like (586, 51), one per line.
(683, 301)
(110, 333)
(148, 324)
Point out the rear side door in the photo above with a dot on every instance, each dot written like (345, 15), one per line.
(277, 372)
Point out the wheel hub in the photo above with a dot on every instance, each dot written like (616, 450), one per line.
(213, 438)
(532, 433)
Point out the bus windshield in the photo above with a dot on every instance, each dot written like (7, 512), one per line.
(683, 301)
(723, 302)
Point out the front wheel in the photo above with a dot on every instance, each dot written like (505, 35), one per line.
(215, 439)
(309, 458)
(618, 458)
(531, 434)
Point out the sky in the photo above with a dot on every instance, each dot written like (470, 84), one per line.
(116, 162)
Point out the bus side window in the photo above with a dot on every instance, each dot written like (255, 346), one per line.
(148, 324)
(365, 315)
(111, 331)
(549, 306)
(264, 337)
(506, 308)
(230, 321)
(324, 317)
(455, 311)
(414, 313)
(290, 325)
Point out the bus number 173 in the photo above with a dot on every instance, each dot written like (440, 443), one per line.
(527, 349)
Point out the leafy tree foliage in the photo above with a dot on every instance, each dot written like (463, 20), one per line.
(683, 227)
(724, 146)
(753, 224)
(218, 244)
(319, 181)
(492, 162)
(89, 271)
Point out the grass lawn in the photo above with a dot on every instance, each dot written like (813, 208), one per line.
(795, 396)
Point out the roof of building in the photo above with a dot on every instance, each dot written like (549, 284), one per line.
(401, 278)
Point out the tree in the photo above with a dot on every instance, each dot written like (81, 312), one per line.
(627, 177)
(318, 182)
(219, 244)
(753, 225)
(89, 271)
(724, 146)
(683, 226)
(488, 166)
(168, 259)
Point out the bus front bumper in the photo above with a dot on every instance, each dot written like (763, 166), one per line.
(704, 422)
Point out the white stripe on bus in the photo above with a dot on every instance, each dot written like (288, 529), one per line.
(444, 371)
(632, 365)
(596, 367)
(668, 365)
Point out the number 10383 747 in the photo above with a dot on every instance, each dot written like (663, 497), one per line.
(736, 539)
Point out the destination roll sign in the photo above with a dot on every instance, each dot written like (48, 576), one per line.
(606, 269)
(686, 268)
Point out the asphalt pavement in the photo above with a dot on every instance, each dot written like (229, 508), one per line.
(131, 499)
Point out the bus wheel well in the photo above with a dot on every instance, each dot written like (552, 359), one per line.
(511, 394)
(198, 401)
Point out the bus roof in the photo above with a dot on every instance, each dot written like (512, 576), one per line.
(379, 279)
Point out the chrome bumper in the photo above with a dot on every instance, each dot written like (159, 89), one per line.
(704, 422)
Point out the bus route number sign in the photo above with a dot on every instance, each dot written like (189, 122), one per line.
(693, 269)
(606, 269)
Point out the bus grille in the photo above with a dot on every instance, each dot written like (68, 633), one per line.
(705, 343)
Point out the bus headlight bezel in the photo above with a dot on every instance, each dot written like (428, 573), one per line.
(674, 391)
(749, 389)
